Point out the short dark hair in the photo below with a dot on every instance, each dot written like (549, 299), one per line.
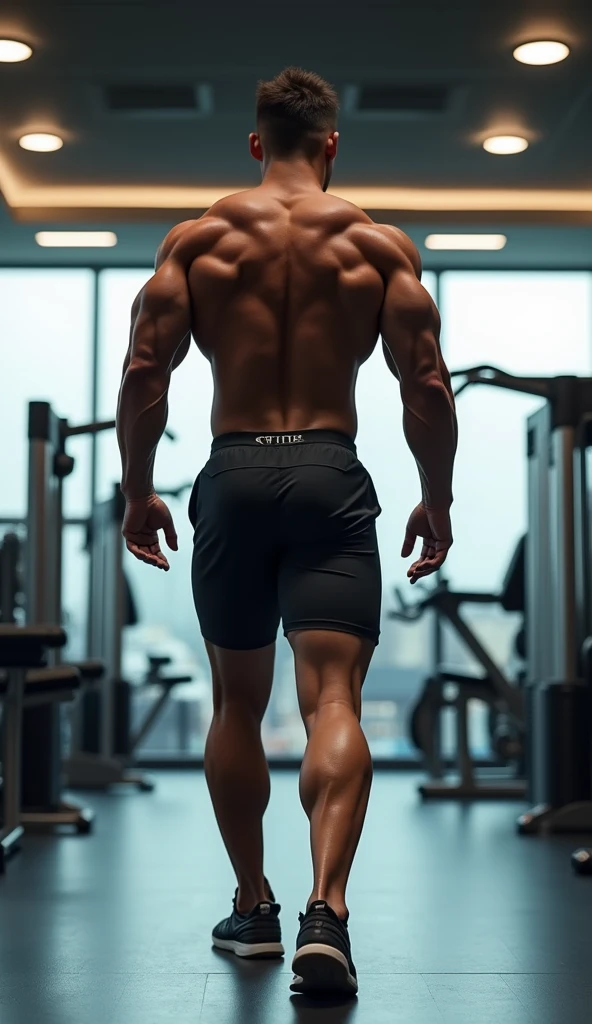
(295, 109)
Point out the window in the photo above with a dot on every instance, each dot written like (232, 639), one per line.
(509, 319)
(46, 321)
(526, 323)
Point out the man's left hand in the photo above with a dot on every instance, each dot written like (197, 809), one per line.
(144, 517)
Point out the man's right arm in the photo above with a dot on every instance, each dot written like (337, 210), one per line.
(410, 328)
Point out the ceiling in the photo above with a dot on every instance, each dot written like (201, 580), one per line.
(139, 174)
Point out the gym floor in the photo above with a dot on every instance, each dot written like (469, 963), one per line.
(454, 918)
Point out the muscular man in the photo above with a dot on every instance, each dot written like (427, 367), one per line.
(285, 290)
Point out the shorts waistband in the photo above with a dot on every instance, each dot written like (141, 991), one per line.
(272, 440)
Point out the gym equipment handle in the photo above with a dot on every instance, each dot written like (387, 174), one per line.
(19, 636)
(96, 428)
(497, 378)
(434, 597)
(174, 492)
(408, 612)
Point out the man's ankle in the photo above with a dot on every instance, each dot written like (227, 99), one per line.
(247, 902)
(337, 906)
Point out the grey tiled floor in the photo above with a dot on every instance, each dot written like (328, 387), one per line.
(454, 919)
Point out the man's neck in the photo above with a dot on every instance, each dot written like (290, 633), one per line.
(294, 175)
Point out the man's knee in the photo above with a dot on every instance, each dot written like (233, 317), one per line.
(330, 671)
(241, 679)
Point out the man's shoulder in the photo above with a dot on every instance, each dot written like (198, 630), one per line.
(188, 238)
(395, 247)
(384, 244)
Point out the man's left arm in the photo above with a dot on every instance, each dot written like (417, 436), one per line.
(159, 341)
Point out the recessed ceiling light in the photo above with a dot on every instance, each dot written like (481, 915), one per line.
(11, 51)
(41, 142)
(505, 144)
(545, 51)
(76, 239)
(465, 241)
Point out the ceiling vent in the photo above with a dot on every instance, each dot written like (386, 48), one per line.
(179, 100)
(405, 101)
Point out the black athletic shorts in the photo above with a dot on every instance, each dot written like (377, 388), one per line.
(284, 528)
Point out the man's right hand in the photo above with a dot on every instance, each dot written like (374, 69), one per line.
(144, 517)
(435, 529)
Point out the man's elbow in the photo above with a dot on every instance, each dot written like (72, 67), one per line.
(143, 370)
(425, 381)
(426, 392)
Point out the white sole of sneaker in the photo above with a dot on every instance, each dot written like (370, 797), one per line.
(249, 949)
(320, 969)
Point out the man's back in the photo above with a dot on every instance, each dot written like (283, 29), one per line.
(286, 292)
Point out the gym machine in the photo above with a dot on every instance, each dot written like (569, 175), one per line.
(40, 770)
(448, 689)
(49, 465)
(11, 595)
(105, 709)
(40, 779)
(558, 598)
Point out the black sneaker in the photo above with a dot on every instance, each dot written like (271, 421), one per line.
(257, 934)
(322, 964)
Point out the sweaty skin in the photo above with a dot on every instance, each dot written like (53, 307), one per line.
(285, 291)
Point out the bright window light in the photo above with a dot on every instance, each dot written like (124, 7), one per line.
(11, 51)
(505, 144)
(76, 239)
(465, 242)
(41, 142)
(545, 51)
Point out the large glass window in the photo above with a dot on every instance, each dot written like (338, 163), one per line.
(46, 319)
(524, 322)
(46, 324)
(535, 323)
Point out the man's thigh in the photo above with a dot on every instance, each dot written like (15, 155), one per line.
(236, 598)
(243, 677)
(335, 584)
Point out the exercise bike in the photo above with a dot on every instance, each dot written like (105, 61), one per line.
(451, 690)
